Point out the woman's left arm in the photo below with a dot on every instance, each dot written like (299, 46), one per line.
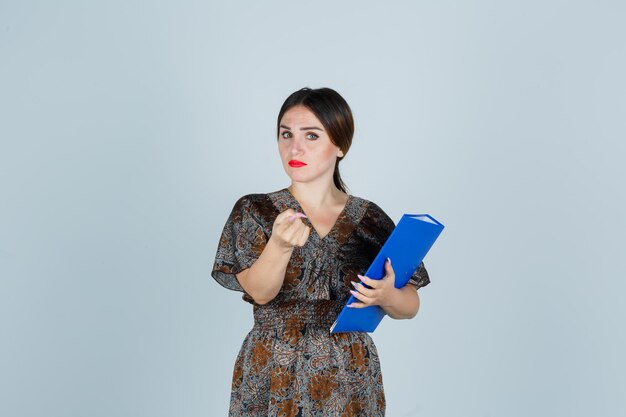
(398, 303)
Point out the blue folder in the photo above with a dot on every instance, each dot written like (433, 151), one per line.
(406, 246)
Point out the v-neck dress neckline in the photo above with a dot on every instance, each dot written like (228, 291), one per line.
(341, 218)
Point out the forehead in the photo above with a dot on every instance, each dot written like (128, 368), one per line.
(299, 115)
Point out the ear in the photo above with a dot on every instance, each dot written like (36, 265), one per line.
(339, 153)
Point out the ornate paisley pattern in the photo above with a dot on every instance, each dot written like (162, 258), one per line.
(289, 363)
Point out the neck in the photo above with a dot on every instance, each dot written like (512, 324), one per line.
(315, 195)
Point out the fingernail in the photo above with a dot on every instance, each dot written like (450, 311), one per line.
(300, 215)
(360, 276)
(349, 305)
(352, 292)
(354, 284)
(389, 260)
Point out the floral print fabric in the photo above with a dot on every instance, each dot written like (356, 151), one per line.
(289, 363)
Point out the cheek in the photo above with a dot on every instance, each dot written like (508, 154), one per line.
(330, 153)
(282, 148)
(324, 159)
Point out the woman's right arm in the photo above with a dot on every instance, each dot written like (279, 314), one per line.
(263, 280)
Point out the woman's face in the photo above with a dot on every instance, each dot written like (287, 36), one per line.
(305, 148)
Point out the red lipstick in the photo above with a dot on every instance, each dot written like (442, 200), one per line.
(294, 163)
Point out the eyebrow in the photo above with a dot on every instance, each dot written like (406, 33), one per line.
(304, 128)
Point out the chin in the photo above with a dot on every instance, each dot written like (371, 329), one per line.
(299, 177)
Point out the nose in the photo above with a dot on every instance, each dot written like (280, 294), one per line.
(297, 147)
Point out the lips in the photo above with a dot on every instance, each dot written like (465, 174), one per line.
(294, 163)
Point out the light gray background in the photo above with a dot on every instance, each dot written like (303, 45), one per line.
(129, 129)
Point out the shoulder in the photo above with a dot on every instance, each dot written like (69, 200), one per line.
(375, 217)
(251, 200)
(373, 209)
(258, 206)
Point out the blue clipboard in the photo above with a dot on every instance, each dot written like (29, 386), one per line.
(407, 245)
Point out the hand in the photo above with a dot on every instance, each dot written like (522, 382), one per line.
(289, 231)
(382, 292)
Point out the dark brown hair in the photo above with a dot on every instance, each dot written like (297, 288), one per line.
(333, 112)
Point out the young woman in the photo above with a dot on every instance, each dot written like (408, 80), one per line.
(296, 254)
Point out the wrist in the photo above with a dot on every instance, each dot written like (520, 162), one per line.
(395, 298)
(280, 247)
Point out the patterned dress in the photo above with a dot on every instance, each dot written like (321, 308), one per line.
(289, 363)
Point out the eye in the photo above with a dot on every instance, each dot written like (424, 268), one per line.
(286, 134)
(312, 136)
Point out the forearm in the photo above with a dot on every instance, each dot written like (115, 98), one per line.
(404, 303)
(263, 280)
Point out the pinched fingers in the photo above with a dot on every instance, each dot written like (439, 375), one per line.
(304, 237)
(288, 218)
(289, 229)
(296, 216)
(301, 231)
(283, 217)
(297, 233)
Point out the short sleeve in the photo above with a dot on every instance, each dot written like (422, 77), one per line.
(420, 277)
(240, 244)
